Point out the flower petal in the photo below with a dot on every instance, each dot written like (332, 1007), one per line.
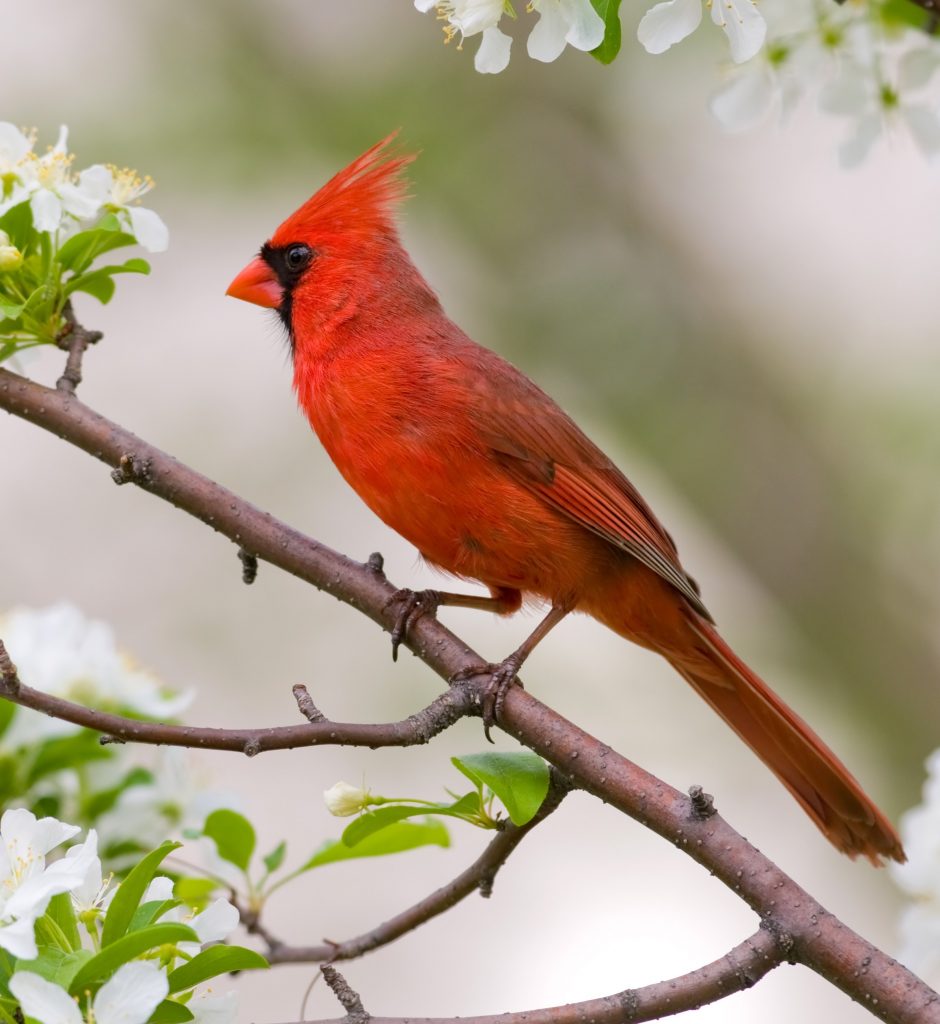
(585, 26)
(26, 836)
(19, 938)
(916, 68)
(425, 5)
(47, 210)
(668, 23)
(856, 148)
(744, 26)
(216, 922)
(39, 998)
(547, 40)
(132, 994)
(924, 127)
(154, 236)
(208, 1009)
(161, 888)
(13, 143)
(746, 100)
(493, 54)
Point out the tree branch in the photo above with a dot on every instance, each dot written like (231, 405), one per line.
(738, 969)
(800, 924)
(422, 726)
(478, 876)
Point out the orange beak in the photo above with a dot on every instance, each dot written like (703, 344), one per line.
(257, 283)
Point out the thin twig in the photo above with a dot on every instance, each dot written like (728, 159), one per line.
(74, 339)
(9, 679)
(440, 714)
(738, 969)
(478, 877)
(349, 999)
(305, 704)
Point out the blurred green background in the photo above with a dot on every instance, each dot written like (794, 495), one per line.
(748, 330)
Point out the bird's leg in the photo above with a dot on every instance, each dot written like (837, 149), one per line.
(503, 675)
(416, 603)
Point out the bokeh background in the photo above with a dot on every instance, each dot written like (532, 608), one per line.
(748, 330)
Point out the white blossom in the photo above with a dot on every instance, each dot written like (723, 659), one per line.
(118, 191)
(920, 879)
(214, 924)
(59, 651)
(877, 106)
(173, 801)
(474, 17)
(560, 23)
(208, 1008)
(129, 997)
(48, 181)
(343, 800)
(564, 22)
(671, 21)
(26, 883)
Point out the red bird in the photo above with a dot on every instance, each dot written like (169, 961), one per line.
(470, 461)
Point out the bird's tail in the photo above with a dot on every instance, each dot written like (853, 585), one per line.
(785, 743)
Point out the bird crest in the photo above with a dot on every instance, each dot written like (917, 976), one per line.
(359, 200)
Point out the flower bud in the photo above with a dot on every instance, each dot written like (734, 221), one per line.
(10, 257)
(343, 800)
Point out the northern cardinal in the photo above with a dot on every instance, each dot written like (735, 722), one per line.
(470, 461)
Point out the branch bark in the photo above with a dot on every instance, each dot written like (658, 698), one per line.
(737, 970)
(797, 921)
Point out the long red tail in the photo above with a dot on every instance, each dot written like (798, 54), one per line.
(789, 747)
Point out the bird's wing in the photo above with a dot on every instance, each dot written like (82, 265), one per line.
(547, 453)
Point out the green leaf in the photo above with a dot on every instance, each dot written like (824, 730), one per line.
(63, 914)
(609, 10)
(7, 708)
(170, 1012)
(382, 817)
(151, 911)
(233, 835)
(212, 962)
(102, 965)
(57, 966)
(195, 892)
(67, 752)
(98, 803)
(81, 250)
(17, 222)
(519, 779)
(98, 284)
(10, 310)
(276, 857)
(395, 838)
(129, 893)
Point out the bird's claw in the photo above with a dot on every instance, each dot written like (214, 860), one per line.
(414, 604)
(501, 678)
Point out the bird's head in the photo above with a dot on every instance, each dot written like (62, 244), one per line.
(332, 258)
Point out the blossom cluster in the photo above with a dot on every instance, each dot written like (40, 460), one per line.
(560, 23)
(134, 799)
(55, 224)
(919, 878)
(57, 979)
(867, 62)
(61, 200)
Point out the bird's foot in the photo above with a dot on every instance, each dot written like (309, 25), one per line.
(413, 604)
(501, 678)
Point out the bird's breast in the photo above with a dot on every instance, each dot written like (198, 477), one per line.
(413, 455)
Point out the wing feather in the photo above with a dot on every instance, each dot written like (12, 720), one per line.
(546, 452)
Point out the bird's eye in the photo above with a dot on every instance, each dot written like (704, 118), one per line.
(298, 256)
